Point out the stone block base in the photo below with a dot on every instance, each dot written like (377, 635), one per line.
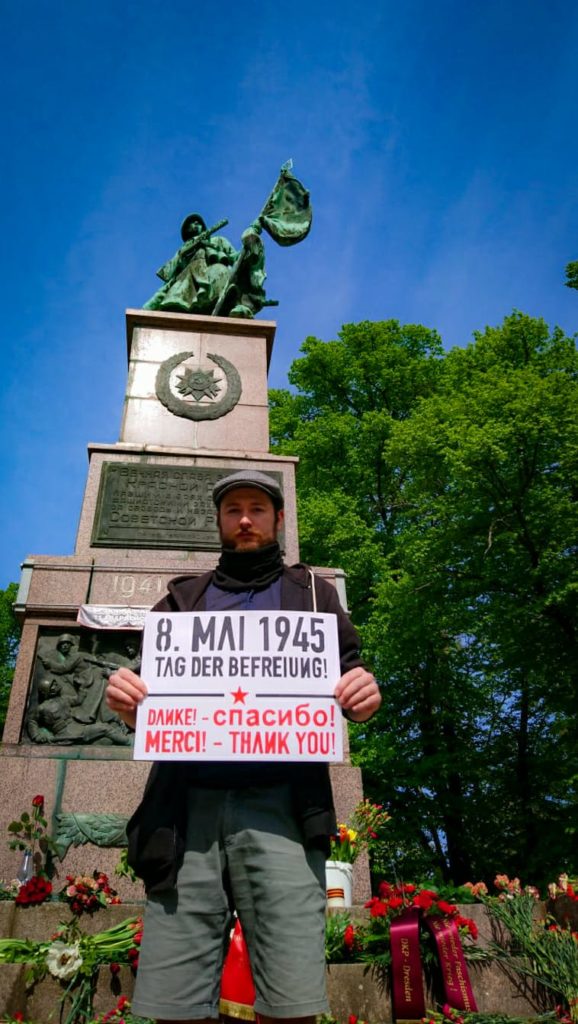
(352, 988)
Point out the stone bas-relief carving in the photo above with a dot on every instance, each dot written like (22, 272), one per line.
(208, 275)
(67, 705)
(98, 829)
(195, 385)
(54, 720)
(63, 660)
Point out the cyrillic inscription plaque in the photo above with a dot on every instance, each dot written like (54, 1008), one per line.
(154, 506)
(157, 506)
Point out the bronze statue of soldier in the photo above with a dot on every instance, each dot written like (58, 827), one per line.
(207, 275)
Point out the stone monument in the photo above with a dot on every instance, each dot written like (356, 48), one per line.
(195, 408)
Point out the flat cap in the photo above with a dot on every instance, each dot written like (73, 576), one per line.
(249, 478)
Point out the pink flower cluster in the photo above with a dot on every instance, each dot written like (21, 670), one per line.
(85, 895)
(477, 888)
(510, 887)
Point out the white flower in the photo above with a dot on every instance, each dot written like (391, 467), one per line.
(63, 960)
(11, 888)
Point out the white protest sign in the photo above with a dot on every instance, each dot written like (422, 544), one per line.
(240, 686)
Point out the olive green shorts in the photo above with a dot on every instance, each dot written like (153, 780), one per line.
(244, 851)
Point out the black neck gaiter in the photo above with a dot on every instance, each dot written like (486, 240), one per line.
(249, 570)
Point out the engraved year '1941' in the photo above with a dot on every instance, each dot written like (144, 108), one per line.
(147, 586)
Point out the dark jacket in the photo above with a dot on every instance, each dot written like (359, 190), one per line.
(156, 832)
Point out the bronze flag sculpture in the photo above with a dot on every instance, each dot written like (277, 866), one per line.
(208, 275)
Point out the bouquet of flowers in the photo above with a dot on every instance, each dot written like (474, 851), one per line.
(85, 895)
(394, 898)
(74, 958)
(363, 832)
(368, 941)
(36, 890)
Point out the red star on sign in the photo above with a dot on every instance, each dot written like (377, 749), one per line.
(239, 695)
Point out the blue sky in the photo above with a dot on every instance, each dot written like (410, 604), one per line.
(439, 142)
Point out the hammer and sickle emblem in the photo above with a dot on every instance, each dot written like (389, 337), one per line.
(195, 411)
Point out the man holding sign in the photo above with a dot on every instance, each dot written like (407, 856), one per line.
(253, 835)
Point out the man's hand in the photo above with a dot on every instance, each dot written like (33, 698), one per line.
(358, 694)
(124, 692)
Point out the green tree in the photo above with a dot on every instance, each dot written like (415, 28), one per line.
(572, 275)
(9, 640)
(446, 488)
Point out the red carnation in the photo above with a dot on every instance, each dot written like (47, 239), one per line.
(114, 968)
(452, 1014)
(38, 801)
(352, 1019)
(378, 909)
(423, 900)
(447, 908)
(349, 936)
(36, 890)
(394, 902)
(385, 890)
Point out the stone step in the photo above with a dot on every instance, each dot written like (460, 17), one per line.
(353, 988)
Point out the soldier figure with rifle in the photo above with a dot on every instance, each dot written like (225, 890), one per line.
(196, 275)
(208, 275)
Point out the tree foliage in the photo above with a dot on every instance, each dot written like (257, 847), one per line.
(572, 275)
(9, 641)
(445, 485)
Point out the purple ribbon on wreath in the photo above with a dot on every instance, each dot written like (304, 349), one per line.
(408, 993)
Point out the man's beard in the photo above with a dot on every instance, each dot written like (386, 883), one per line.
(240, 541)
(251, 569)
